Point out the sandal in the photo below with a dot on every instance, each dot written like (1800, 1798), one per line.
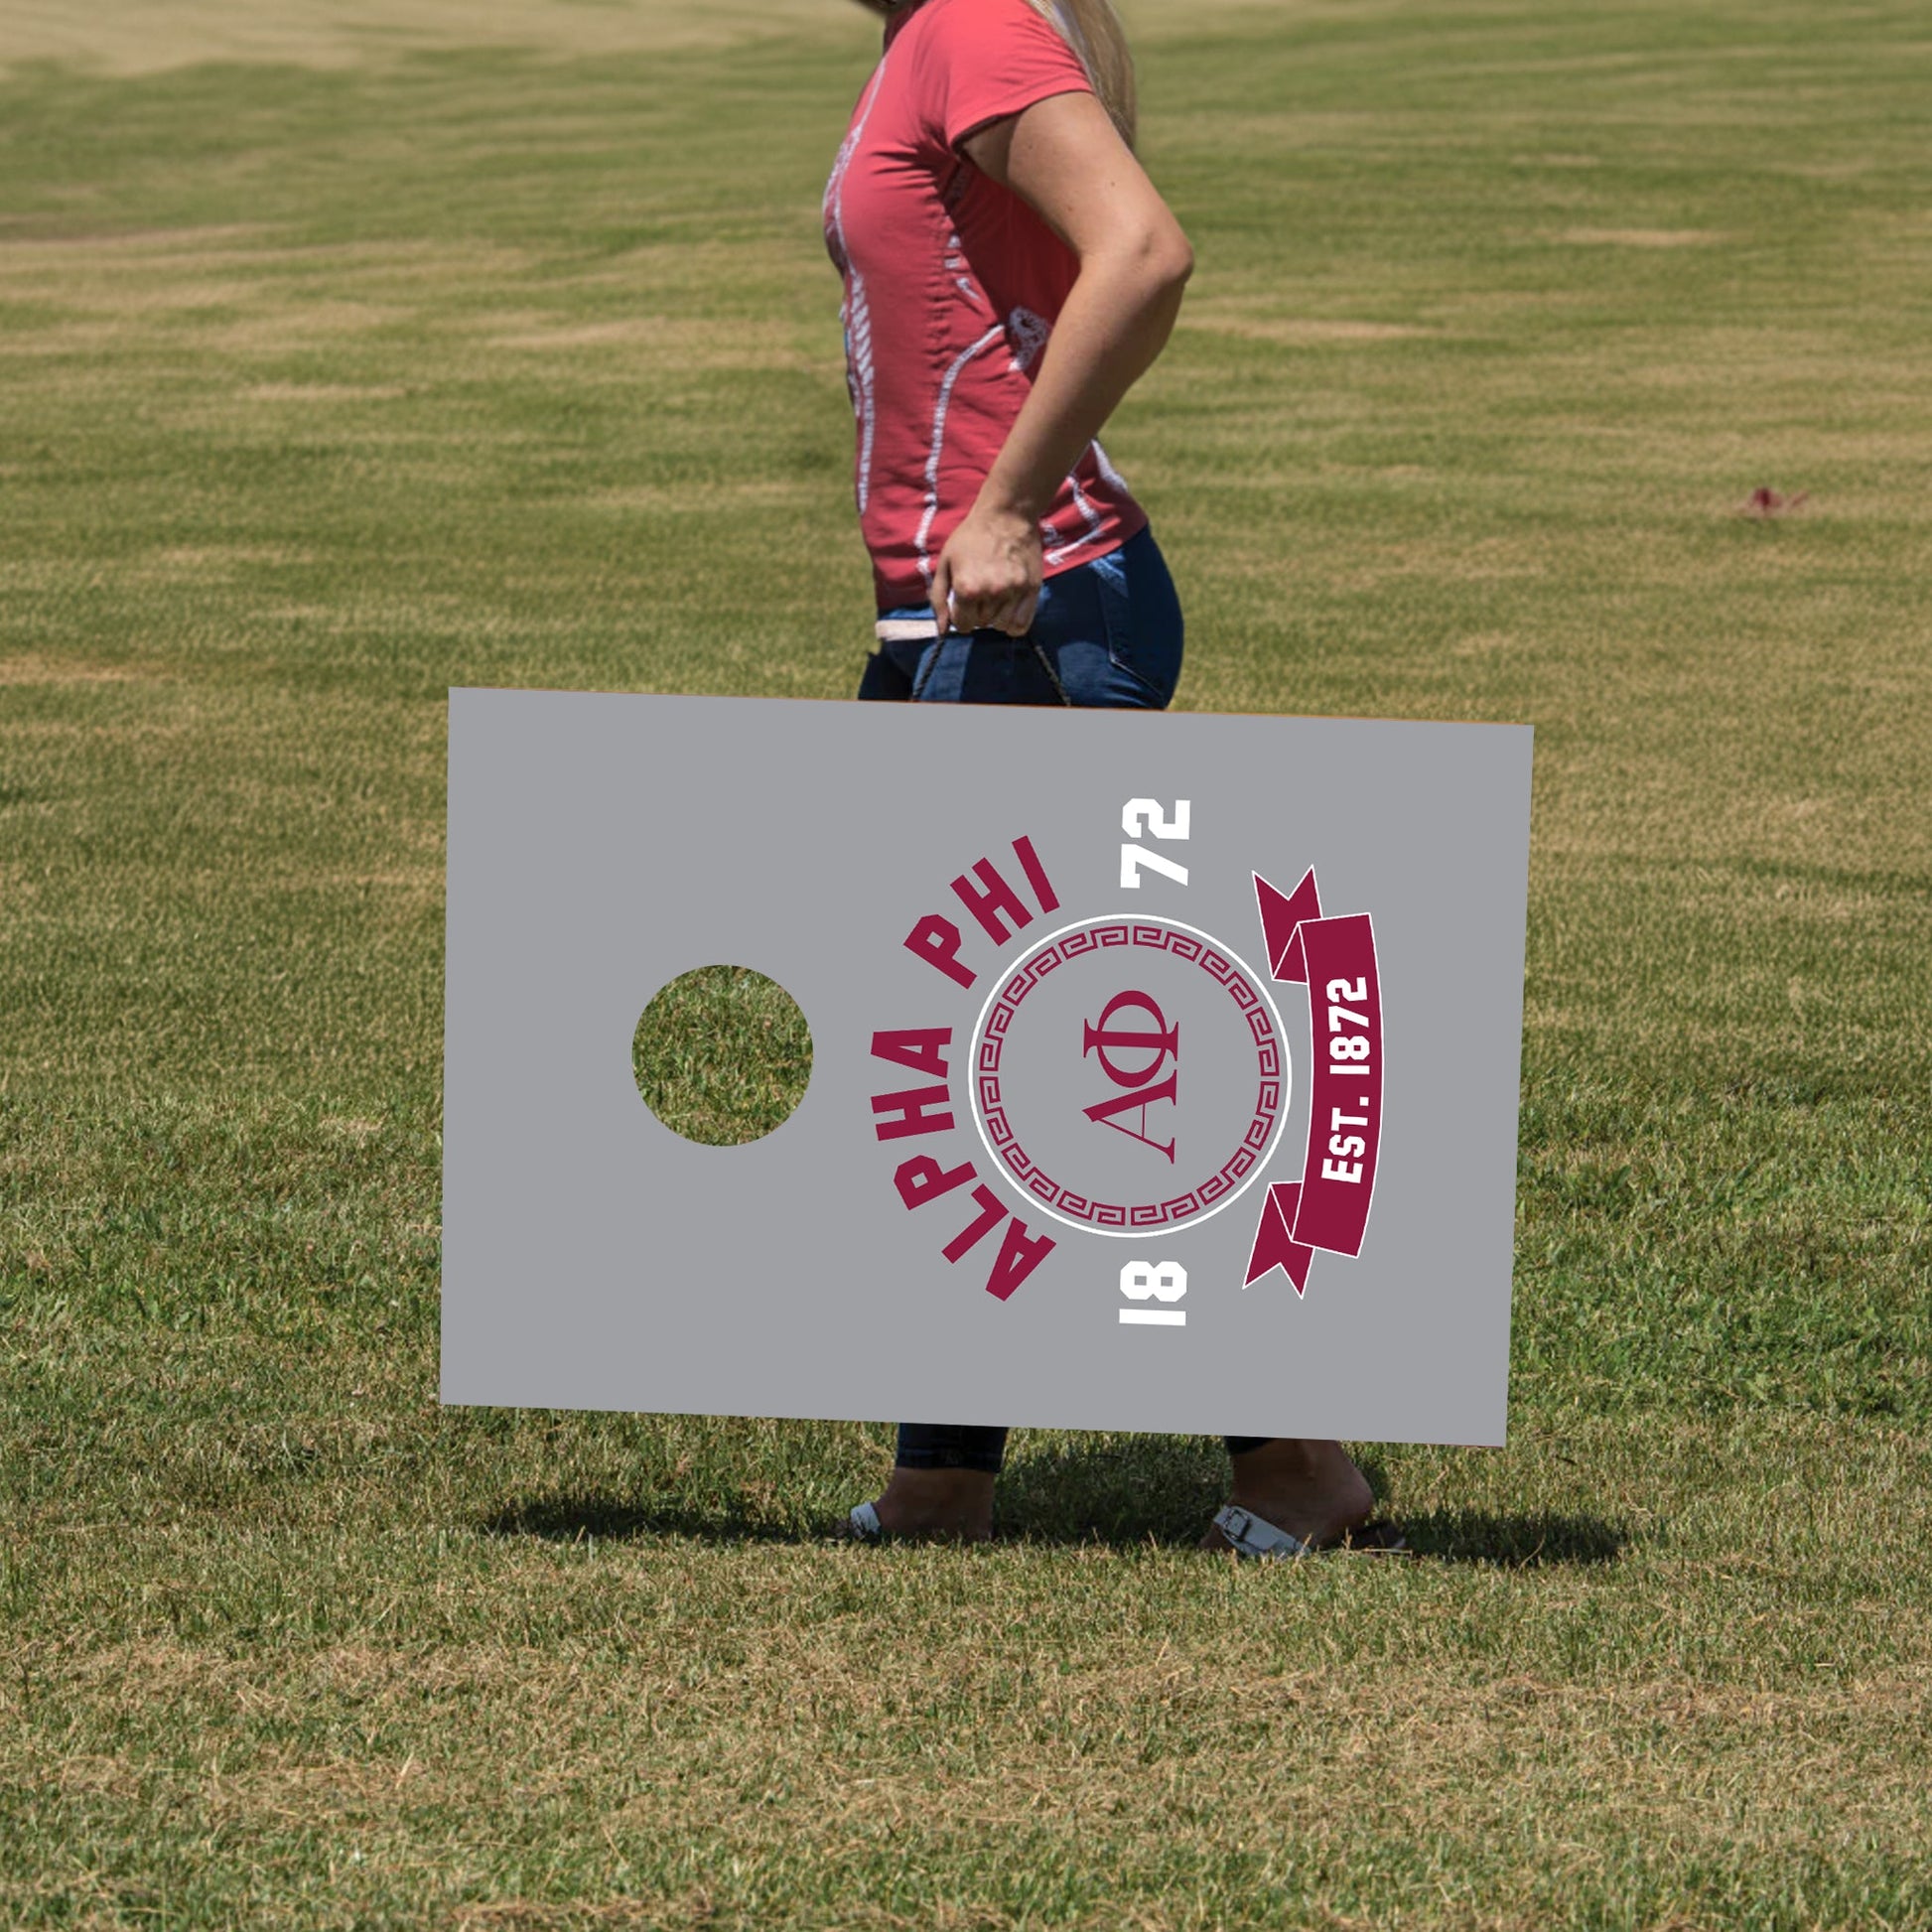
(1251, 1536)
(861, 1525)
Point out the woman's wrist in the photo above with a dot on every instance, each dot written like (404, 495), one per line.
(1008, 507)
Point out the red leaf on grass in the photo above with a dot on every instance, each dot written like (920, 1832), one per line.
(1770, 502)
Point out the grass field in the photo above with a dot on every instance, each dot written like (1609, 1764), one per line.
(351, 352)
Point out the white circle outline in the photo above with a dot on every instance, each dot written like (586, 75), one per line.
(1165, 1228)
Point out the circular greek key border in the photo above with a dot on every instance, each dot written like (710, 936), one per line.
(1271, 1075)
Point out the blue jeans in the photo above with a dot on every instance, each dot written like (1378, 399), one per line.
(1107, 634)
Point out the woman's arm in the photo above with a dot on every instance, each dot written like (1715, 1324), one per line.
(1063, 156)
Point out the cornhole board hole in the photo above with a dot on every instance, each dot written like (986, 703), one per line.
(1163, 1067)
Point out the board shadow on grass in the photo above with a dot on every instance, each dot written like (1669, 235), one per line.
(1128, 1491)
(1530, 1538)
(586, 1518)
(1132, 1492)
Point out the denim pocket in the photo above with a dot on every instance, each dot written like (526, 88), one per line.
(1141, 610)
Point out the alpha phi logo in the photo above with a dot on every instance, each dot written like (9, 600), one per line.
(1129, 1075)
(1128, 1078)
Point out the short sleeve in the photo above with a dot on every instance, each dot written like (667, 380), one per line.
(982, 59)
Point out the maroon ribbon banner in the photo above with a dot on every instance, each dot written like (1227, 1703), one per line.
(1328, 1206)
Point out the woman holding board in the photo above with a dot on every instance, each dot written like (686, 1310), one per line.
(1010, 271)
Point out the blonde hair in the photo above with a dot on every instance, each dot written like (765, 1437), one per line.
(1092, 28)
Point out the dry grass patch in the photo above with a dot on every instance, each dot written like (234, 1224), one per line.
(1493, 643)
(137, 37)
(424, 883)
(980, 1742)
(1315, 331)
(681, 344)
(323, 392)
(42, 243)
(1639, 237)
(37, 668)
(711, 499)
(201, 563)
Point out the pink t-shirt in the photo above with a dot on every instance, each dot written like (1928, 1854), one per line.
(952, 284)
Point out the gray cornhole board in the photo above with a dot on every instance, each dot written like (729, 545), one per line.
(1107, 1074)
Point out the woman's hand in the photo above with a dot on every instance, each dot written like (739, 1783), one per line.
(987, 575)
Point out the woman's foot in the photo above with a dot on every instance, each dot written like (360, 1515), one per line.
(1310, 1489)
(947, 1504)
